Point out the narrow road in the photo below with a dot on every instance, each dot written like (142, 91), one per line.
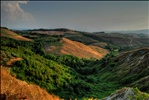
(130, 43)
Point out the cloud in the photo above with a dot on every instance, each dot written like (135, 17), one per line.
(11, 11)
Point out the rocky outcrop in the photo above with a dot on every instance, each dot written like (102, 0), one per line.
(128, 94)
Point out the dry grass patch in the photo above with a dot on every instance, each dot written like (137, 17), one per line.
(14, 89)
(80, 50)
(13, 35)
(77, 49)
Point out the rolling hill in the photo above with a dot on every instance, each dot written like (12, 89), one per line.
(8, 33)
(77, 49)
(122, 41)
(67, 46)
(56, 64)
(129, 69)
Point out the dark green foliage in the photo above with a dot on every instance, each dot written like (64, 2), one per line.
(38, 48)
(93, 36)
(65, 75)
(46, 73)
(14, 43)
(112, 47)
(68, 60)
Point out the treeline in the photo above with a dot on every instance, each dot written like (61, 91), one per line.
(64, 75)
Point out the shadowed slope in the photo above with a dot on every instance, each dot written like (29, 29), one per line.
(128, 69)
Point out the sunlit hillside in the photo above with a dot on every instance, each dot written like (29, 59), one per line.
(7, 33)
(14, 89)
(78, 49)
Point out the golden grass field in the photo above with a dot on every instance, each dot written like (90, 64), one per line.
(13, 35)
(14, 89)
(78, 49)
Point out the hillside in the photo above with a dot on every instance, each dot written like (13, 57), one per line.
(78, 49)
(53, 41)
(8, 33)
(63, 32)
(69, 76)
(129, 69)
(14, 89)
(121, 41)
(136, 68)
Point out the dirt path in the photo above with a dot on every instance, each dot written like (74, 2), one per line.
(131, 41)
(12, 61)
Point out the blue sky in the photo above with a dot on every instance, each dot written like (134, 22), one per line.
(88, 16)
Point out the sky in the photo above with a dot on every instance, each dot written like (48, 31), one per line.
(91, 16)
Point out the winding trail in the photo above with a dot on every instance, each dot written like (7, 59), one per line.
(130, 43)
(12, 61)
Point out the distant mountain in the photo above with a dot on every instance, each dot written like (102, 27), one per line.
(122, 40)
(144, 31)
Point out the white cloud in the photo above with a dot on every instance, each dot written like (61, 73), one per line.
(11, 11)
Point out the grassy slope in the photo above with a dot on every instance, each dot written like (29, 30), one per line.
(14, 89)
(122, 41)
(88, 78)
(127, 69)
(66, 46)
(13, 35)
(78, 49)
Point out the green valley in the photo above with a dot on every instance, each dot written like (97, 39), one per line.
(115, 64)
